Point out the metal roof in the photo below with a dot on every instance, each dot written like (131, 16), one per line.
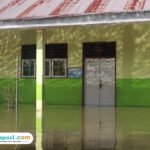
(17, 11)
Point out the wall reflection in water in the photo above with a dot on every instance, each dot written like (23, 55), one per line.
(76, 128)
(62, 128)
(23, 122)
(133, 128)
(99, 128)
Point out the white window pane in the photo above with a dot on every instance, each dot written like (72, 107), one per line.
(28, 68)
(59, 67)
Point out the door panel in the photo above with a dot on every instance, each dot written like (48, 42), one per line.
(91, 82)
(107, 79)
(99, 81)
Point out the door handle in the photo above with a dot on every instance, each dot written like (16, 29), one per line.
(100, 85)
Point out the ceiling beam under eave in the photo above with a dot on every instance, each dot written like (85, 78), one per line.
(91, 19)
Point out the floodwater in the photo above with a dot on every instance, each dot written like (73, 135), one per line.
(77, 128)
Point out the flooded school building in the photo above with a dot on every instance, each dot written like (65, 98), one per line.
(76, 52)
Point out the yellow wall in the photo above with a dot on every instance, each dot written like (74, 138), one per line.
(10, 48)
(133, 48)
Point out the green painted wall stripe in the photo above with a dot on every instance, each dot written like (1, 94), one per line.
(26, 89)
(130, 92)
(133, 92)
(63, 91)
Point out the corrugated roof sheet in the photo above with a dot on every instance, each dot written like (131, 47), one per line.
(24, 9)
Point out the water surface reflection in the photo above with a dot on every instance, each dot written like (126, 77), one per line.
(62, 128)
(94, 128)
(23, 122)
(77, 128)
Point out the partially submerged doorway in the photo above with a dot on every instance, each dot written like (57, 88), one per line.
(99, 73)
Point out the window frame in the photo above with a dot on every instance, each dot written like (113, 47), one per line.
(50, 68)
(34, 61)
(65, 61)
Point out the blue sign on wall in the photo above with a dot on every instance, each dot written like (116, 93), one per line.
(74, 72)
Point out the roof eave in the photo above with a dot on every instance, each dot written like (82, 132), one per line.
(91, 19)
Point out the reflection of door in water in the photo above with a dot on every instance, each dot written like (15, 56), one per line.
(99, 81)
(99, 128)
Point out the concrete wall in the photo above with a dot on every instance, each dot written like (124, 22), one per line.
(132, 58)
(10, 48)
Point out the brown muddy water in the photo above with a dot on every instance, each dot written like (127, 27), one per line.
(80, 128)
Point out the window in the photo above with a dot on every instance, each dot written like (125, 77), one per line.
(28, 55)
(48, 68)
(28, 68)
(58, 67)
(56, 60)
